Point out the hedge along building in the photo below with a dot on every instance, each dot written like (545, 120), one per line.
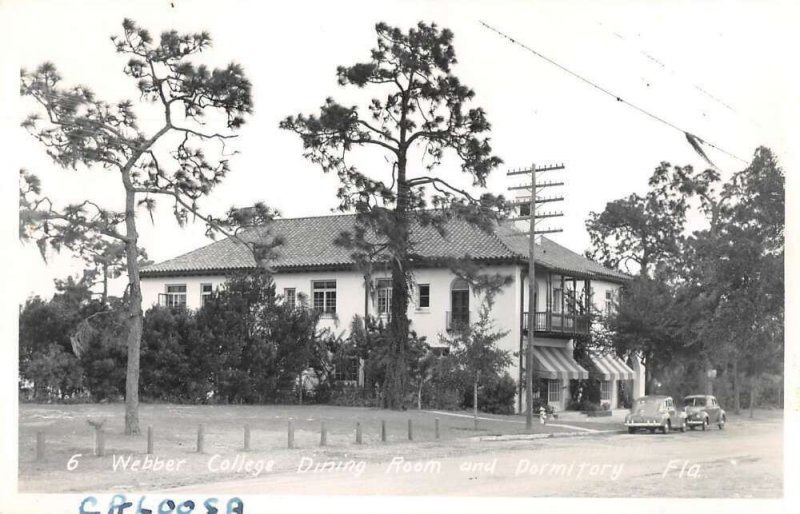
(309, 263)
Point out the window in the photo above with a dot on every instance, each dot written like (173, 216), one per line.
(609, 305)
(346, 369)
(176, 295)
(605, 390)
(440, 351)
(553, 391)
(459, 303)
(290, 297)
(206, 290)
(324, 296)
(424, 294)
(384, 297)
(557, 300)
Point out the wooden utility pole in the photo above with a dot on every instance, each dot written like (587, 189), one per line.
(532, 216)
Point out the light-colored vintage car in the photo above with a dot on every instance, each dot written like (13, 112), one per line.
(703, 410)
(655, 412)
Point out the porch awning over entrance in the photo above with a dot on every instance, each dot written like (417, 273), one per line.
(609, 367)
(557, 363)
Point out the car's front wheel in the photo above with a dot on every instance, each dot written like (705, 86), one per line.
(631, 430)
(705, 424)
(721, 424)
(683, 425)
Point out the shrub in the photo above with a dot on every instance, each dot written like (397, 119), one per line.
(57, 374)
(105, 355)
(172, 368)
(353, 396)
(589, 406)
(538, 403)
(496, 397)
(574, 404)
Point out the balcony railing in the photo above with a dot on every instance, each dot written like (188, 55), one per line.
(557, 322)
(457, 319)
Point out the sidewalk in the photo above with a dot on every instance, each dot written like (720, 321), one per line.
(617, 417)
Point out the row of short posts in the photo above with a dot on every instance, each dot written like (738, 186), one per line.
(100, 437)
(323, 434)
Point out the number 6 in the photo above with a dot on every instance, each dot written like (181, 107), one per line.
(73, 462)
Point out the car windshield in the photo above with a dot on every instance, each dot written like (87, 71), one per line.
(647, 406)
(694, 402)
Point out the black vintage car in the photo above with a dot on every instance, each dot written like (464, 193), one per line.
(703, 410)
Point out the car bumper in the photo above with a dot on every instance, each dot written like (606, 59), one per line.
(692, 422)
(644, 424)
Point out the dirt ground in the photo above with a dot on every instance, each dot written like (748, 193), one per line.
(70, 466)
(745, 460)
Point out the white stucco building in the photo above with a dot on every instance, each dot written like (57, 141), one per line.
(309, 263)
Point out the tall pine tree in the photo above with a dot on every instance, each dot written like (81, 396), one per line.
(419, 106)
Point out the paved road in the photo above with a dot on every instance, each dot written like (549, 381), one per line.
(743, 461)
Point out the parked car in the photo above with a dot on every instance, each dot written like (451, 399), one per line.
(702, 410)
(655, 412)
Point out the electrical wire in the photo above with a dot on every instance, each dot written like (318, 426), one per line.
(607, 92)
(672, 72)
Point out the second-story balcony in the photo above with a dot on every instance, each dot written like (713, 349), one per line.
(557, 323)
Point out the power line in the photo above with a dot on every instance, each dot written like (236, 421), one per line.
(607, 92)
(674, 73)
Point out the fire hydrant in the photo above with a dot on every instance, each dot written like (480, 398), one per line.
(542, 416)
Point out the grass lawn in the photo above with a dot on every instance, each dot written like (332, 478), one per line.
(175, 434)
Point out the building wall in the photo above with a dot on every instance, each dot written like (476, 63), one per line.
(152, 287)
(598, 289)
(430, 322)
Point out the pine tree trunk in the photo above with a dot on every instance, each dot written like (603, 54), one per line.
(753, 392)
(135, 318)
(396, 372)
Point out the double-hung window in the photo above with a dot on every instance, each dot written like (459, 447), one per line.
(206, 290)
(384, 290)
(324, 294)
(609, 305)
(423, 296)
(290, 297)
(553, 391)
(557, 300)
(605, 390)
(176, 295)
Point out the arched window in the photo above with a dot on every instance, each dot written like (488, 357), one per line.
(459, 302)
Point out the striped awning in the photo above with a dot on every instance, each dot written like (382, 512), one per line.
(557, 363)
(609, 367)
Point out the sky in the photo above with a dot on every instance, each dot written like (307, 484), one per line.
(719, 70)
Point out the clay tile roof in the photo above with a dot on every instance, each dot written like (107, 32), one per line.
(555, 257)
(310, 244)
